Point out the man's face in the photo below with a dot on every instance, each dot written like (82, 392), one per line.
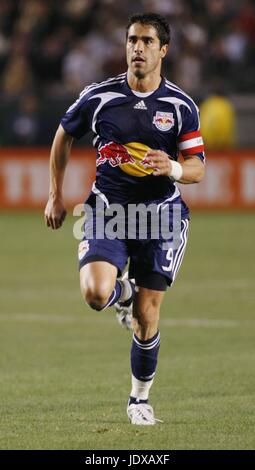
(143, 50)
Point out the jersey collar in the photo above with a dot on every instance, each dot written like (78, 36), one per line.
(154, 94)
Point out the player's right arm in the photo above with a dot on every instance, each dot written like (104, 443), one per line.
(55, 211)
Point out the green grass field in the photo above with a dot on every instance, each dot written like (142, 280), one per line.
(64, 369)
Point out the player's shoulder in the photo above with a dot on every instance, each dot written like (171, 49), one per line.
(109, 83)
(173, 90)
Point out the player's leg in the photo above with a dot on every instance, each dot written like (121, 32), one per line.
(146, 312)
(154, 268)
(100, 287)
(100, 262)
(97, 282)
(144, 351)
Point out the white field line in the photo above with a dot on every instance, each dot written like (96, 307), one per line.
(241, 282)
(200, 322)
(166, 322)
(38, 294)
(23, 293)
(40, 318)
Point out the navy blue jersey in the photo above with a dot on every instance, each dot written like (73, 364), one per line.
(126, 124)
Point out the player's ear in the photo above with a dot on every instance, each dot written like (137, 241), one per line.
(163, 50)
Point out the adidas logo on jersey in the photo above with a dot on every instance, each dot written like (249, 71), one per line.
(140, 105)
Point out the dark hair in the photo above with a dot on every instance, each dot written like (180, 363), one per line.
(155, 20)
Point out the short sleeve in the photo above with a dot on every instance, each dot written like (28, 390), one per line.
(77, 120)
(190, 139)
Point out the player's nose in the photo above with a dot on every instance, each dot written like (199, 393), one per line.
(139, 46)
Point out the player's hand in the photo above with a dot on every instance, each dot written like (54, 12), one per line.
(159, 161)
(55, 213)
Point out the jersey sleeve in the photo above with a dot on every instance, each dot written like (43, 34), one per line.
(77, 120)
(190, 139)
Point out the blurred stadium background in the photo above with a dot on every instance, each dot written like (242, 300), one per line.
(63, 378)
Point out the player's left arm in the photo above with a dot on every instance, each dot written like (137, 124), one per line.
(191, 170)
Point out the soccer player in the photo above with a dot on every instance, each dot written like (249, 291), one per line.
(140, 122)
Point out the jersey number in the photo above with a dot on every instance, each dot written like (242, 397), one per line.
(170, 258)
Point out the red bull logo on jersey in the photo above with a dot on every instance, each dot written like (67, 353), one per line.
(130, 157)
(114, 154)
(163, 121)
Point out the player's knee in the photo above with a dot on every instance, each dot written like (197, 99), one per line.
(96, 296)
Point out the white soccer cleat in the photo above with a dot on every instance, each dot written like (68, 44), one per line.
(124, 312)
(141, 414)
(124, 316)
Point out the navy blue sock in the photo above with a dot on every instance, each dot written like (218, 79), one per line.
(115, 295)
(144, 356)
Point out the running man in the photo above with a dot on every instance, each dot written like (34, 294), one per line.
(141, 121)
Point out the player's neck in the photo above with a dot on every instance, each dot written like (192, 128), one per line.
(144, 85)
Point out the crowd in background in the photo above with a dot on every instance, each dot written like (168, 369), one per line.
(51, 49)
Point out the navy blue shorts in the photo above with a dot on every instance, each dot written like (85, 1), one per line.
(149, 258)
